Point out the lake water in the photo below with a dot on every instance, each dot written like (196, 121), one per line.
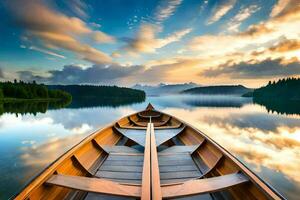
(267, 142)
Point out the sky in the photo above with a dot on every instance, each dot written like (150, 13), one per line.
(124, 42)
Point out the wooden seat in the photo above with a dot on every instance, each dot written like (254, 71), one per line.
(94, 185)
(202, 186)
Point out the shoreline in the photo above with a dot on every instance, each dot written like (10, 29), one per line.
(9, 100)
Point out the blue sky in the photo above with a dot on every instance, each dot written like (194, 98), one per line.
(137, 41)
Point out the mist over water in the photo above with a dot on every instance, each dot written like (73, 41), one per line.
(264, 137)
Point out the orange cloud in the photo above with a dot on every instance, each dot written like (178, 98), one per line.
(222, 9)
(59, 31)
(146, 41)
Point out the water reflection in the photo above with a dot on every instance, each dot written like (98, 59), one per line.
(35, 107)
(103, 102)
(31, 107)
(280, 106)
(268, 143)
(217, 101)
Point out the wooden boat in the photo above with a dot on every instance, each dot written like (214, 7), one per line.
(147, 155)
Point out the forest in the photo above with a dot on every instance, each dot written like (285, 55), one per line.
(20, 90)
(283, 89)
(94, 92)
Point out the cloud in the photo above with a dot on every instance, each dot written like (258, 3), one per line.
(146, 41)
(58, 31)
(73, 74)
(223, 7)
(242, 15)
(268, 68)
(95, 25)
(285, 46)
(78, 7)
(280, 6)
(255, 37)
(45, 51)
(113, 74)
(166, 9)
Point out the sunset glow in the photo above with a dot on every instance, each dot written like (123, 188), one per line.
(113, 42)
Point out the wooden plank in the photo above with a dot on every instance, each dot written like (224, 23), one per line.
(121, 168)
(176, 162)
(174, 157)
(125, 181)
(201, 186)
(174, 181)
(119, 175)
(182, 174)
(180, 149)
(146, 179)
(127, 154)
(155, 176)
(97, 196)
(177, 168)
(125, 157)
(200, 197)
(124, 163)
(94, 185)
(119, 149)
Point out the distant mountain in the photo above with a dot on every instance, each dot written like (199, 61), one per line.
(220, 89)
(164, 88)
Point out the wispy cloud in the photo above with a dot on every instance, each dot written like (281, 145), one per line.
(272, 44)
(58, 31)
(147, 42)
(45, 51)
(166, 9)
(242, 15)
(222, 8)
(78, 7)
(280, 6)
(263, 34)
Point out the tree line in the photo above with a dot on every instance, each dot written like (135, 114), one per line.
(31, 90)
(283, 89)
(97, 92)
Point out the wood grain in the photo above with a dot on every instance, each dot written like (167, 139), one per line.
(201, 186)
(146, 178)
(155, 176)
(94, 185)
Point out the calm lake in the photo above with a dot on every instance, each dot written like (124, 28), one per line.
(266, 141)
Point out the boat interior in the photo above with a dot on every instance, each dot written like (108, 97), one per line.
(147, 155)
